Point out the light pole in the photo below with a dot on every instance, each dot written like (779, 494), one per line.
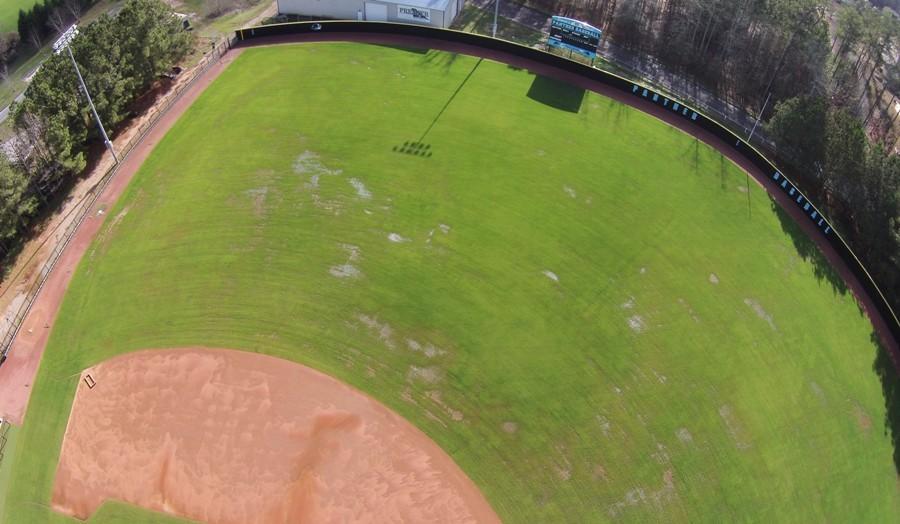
(63, 43)
(496, 10)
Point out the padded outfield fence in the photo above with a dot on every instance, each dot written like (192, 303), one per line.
(351, 30)
(83, 207)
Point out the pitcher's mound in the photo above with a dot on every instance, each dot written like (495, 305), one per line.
(230, 437)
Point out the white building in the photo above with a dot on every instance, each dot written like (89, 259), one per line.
(437, 13)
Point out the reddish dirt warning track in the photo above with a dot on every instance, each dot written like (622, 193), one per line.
(18, 372)
(232, 437)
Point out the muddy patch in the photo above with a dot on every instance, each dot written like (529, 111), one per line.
(760, 312)
(818, 392)
(382, 330)
(734, 427)
(427, 349)
(345, 271)
(425, 375)
(599, 473)
(437, 398)
(258, 199)
(640, 496)
(863, 420)
(690, 311)
(605, 425)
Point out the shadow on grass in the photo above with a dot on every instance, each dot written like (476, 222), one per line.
(886, 369)
(440, 58)
(809, 251)
(556, 94)
(408, 49)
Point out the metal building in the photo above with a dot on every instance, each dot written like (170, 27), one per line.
(437, 13)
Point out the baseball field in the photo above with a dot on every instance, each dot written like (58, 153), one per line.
(9, 13)
(598, 317)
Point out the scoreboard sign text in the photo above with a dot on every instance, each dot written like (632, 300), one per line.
(416, 14)
(574, 35)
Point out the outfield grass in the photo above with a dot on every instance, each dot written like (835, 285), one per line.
(9, 13)
(687, 364)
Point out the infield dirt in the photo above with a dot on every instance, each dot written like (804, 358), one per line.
(233, 437)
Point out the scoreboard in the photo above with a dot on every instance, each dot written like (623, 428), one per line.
(574, 35)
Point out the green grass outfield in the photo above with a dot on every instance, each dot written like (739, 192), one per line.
(688, 364)
(9, 13)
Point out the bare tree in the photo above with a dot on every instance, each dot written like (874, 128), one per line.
(73, 7)
(57, 20)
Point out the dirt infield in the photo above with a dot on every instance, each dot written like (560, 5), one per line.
(233, 437)
(18, 372)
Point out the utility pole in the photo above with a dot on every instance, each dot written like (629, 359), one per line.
(496, 12)
(763, 110)
(64, 43)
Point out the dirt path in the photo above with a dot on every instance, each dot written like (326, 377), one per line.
(258, 440)
(18, 372)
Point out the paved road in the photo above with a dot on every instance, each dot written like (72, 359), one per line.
(4, 113)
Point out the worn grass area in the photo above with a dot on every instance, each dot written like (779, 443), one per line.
(584, 307)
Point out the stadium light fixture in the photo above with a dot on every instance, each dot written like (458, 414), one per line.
(64, 42)
(496, 11)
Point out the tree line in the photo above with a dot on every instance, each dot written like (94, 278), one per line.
(826, 71)
(120, 59)
(49, 18)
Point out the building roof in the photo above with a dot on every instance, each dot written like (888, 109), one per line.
(439, 5)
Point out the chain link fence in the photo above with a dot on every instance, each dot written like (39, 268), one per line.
(13, 324)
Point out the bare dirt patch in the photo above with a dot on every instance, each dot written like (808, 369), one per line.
(258, 439)
(734, 427)
(509, 427)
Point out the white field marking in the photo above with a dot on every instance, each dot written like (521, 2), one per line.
(713, 279)
(571, 192)
(551, 275)
(628, 304)
(445, 229)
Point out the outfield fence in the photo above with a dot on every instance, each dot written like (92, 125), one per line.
(13, 324)
(4, 431)
(515, 54)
